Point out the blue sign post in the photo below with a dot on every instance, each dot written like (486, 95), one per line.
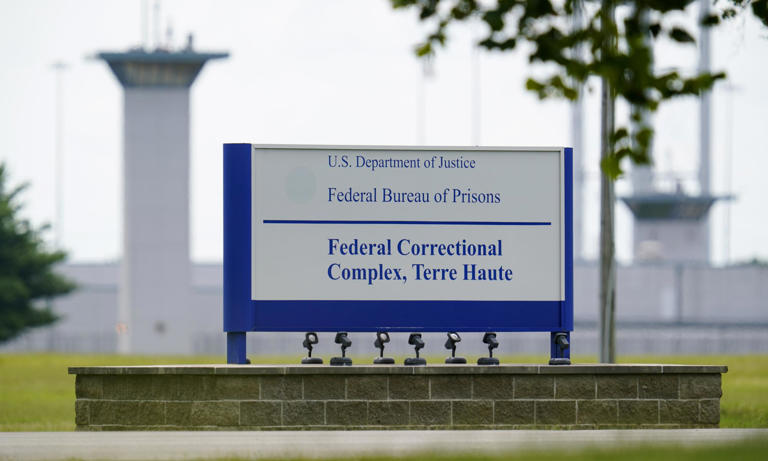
(397, 239)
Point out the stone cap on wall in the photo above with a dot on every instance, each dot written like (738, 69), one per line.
(439, 369)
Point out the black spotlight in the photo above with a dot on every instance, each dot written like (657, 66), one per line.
(382, 337)
(418, 343)
(310, 339)
(490, 340)
(343, 339)
(453, 338)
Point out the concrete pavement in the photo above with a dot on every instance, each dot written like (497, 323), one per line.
(323, 444)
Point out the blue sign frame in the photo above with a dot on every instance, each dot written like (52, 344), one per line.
(242, 314)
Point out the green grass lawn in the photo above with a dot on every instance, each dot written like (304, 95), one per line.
(753, 450)
(37, 394)
(745, 386)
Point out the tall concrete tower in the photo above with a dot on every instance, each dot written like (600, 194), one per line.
(674, 226)
(155, 272)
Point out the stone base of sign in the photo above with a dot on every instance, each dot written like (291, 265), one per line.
(264, 397)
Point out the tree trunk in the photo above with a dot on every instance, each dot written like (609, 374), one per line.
(607, 201)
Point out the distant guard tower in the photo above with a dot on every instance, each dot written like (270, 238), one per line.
(674, 226)
(155, 272)
(671, 226)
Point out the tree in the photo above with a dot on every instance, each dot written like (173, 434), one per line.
(620, 54)
(27, 279)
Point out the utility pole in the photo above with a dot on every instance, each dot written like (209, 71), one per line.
(730, 88)
(705, 102)
(427, 72)
(58, 67)
(577, 142)
(475, 94)
(607, 201)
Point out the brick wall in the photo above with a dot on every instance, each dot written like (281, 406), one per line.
(361, 397)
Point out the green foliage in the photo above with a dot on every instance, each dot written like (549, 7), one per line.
(27, 278)
(620, 54)
(759, 9)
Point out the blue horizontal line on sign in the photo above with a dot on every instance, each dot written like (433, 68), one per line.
(412, 223)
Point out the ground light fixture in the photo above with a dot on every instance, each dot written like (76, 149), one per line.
(489, 339)
(415, 340)
(382, 337)
(453, 338)
(310, 339)
(343, 339)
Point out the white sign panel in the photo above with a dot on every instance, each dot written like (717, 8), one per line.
(407, 223)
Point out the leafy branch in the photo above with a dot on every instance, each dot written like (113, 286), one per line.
(578, 52)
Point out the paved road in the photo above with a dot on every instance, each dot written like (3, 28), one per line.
(320, 444)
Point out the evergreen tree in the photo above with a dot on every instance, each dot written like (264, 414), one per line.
(27, 278)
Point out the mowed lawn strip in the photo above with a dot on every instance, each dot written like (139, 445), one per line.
(37, 394)
(745, 386)
(753, 450)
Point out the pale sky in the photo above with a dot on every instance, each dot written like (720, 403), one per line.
(335, 72)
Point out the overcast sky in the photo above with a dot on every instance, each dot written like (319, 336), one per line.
(335, 72)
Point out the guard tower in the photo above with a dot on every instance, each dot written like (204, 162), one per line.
(155, 280)
(675, 226)
(671, 226)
